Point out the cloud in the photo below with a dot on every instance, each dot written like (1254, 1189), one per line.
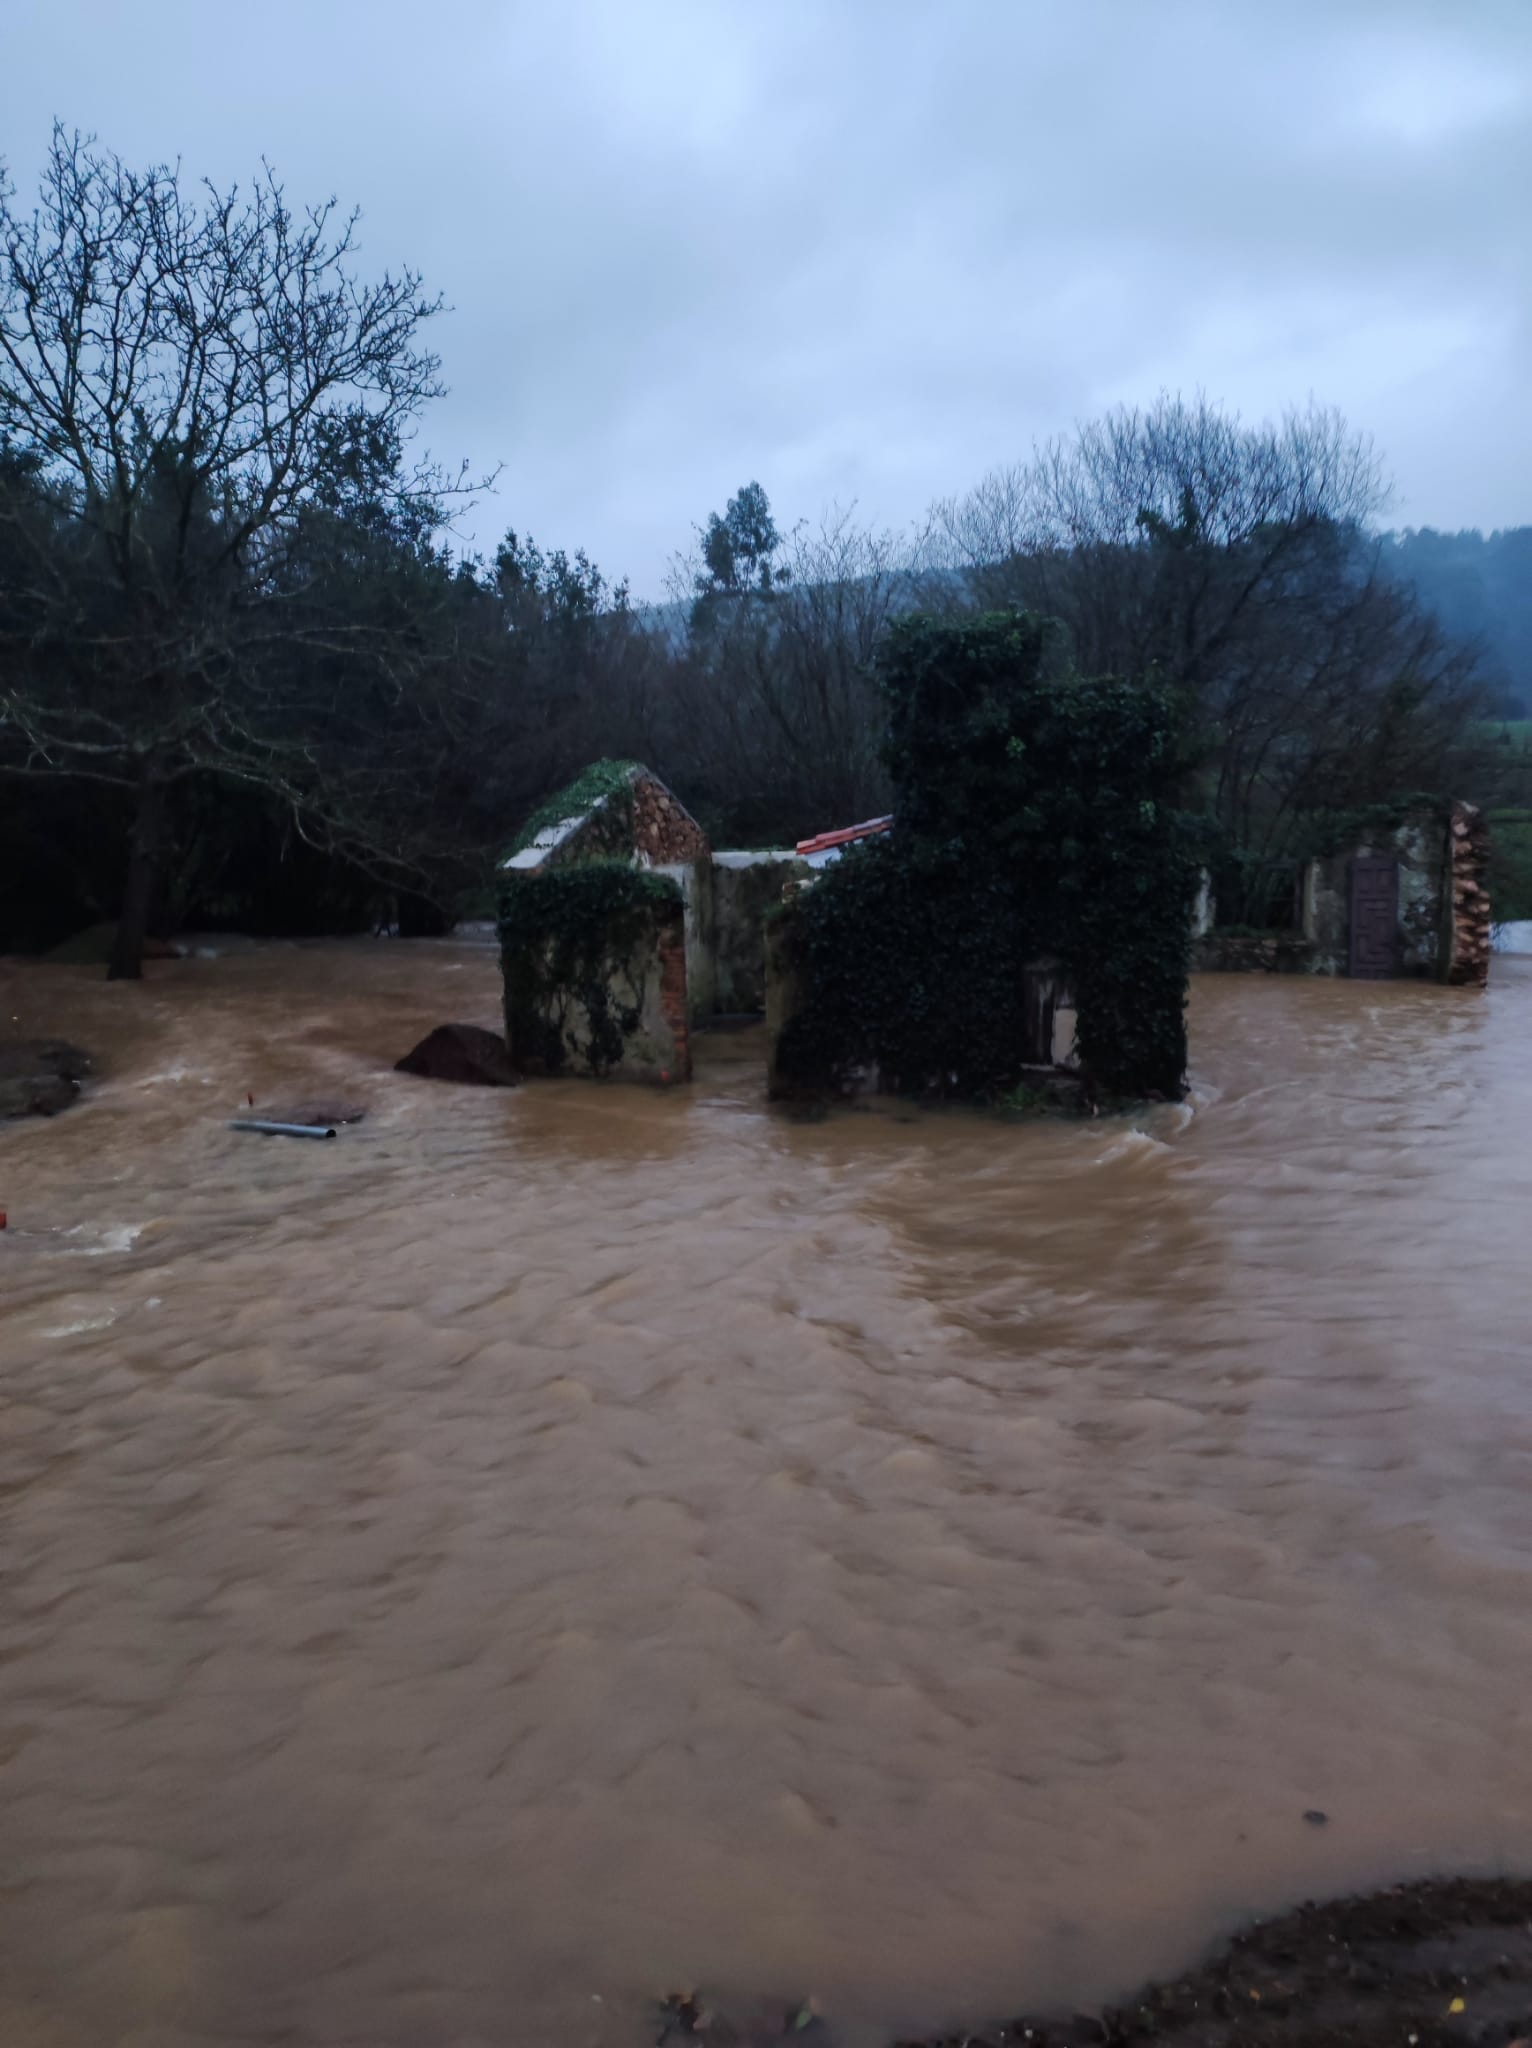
(867, 250)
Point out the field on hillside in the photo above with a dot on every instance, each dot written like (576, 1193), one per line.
(1510, 871)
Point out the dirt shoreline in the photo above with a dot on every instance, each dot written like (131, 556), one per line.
(1412, 1966)
(1432, 1965)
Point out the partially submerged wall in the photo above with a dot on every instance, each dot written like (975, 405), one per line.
(727, 897)
(746, 888)
(1218, 952)
(1441, 913)
(594, 965)
(1419, 845)
(1468, 925)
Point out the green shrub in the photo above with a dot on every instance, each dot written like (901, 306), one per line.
(1036, 814)
(1510, 865)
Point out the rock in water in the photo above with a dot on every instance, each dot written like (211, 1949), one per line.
(461, 1052)
(40, 1076)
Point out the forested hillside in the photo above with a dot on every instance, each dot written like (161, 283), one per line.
(1480, 587)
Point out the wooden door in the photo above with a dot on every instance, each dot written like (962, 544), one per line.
(1374, 918)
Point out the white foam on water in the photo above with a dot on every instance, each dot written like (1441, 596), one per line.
(100, 1321)
(1134, 1144)
(114, 1237)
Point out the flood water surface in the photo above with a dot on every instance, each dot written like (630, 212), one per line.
(546, 1548)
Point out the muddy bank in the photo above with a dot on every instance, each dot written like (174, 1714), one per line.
(1415, 1966)
(1432, 1965)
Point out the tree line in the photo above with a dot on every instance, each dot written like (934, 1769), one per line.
(246, 675)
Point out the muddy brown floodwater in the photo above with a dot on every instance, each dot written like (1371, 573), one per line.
(548, 1547)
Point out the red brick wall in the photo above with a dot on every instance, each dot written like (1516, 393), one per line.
(673, 1001)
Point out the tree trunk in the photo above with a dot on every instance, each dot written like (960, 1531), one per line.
(145, 844)
(420, 917)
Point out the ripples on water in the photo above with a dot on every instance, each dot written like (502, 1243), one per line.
(546, 1547)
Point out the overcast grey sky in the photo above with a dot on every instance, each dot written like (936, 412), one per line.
(866, 250)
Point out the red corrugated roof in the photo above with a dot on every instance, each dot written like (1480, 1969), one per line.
(822, 841)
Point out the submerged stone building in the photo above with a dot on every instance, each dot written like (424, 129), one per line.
(1408, 898)
(623, 933)
(611, 976)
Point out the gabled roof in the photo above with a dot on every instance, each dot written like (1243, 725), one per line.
(553, 822)
(547, 840)
(650, 822)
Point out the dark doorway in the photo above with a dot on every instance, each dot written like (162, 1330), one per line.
(1374, 919)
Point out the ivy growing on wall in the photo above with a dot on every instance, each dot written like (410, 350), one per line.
(574, 942)
(1036, 815)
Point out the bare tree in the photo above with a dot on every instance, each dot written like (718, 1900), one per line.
(177, 366)
(1233, 562)
(1353, 695)
(1152, 534)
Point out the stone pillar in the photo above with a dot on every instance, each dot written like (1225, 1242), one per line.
(1202, 907)
(1467, 964)
(784, 999)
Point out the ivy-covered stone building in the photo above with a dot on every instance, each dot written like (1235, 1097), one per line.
(622, 932)
(1030, 903)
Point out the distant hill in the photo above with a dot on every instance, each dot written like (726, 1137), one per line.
(1480, 586)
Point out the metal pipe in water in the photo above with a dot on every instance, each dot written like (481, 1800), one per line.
(270, 1130)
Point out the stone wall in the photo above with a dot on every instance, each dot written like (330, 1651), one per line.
(623, 1016)
(664, 831)
(1468, 922)
(616, 810)
(727, 897)
(1419, 845)
(1218, 952)
(746, 886)
(1443, 918)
